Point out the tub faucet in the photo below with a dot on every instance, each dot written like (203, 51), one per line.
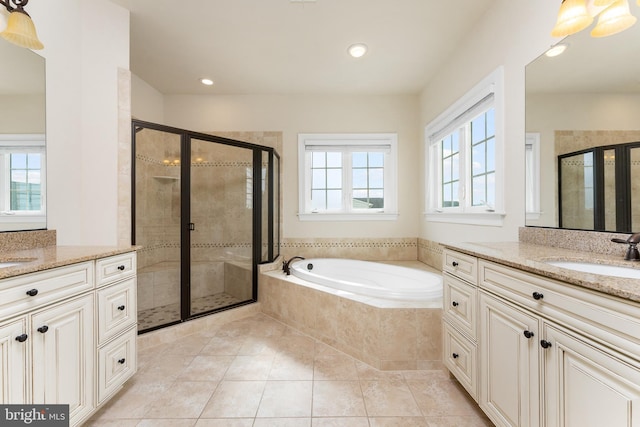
(286, 264)
(632, 251)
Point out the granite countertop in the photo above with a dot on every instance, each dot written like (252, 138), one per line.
(39, 259)
(531, 258)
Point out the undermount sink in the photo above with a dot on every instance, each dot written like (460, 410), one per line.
(603, 269)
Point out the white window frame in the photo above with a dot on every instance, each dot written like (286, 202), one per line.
(348, 143)
(463, 111)
(23, 143)
(532, 176)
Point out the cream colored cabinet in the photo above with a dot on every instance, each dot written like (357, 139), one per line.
(509, 384)
(586, 386)
(64, 341)
(548, 353)
(460, 318)
(63, 356)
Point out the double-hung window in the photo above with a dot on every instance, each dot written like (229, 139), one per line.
(22, 180)
(464, 164)
(347, 176)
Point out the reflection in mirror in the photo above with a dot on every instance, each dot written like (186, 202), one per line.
(585, 98)
(22, 139)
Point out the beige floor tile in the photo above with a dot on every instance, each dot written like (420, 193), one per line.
(165, 369)
(206, 368)
(223, 346)
(235, 399)
(133, 401)
(286, 399)
(388, 398)
(282, 422)
(111, 423)
(340, 422)
(443, 398)
(250, 368)
(338, 399)
(366, 372)
(458, 422)
(185, 399)
(297, 344)
(255, 346)
(334, 367)
(225, 422)
(398, 422)
(291, 366)
(189, 345)
(167, 423)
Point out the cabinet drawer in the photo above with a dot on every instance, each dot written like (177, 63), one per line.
(460, 302)
(460, 265)
(116, 309)
(112, 269)
(612, 321)
(460, 357)
(30, 291)
(116, 364)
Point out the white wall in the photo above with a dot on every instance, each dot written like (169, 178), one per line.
(512, 34)
(86, 41)
(309, 114)
(146, 102)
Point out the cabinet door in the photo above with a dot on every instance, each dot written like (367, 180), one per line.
(509, 371)
(63, 356)
(14, 366)
(586, 387)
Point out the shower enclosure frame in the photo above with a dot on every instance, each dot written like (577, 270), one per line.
(273, 223)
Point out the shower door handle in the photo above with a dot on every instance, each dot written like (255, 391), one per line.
(192, 226)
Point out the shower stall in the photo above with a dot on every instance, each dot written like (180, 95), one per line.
(206, 213)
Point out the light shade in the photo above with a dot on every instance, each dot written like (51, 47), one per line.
(573, 17)
(614, 19)
(21, 31)
(602, 3)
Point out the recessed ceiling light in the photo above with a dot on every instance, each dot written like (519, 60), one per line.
(357, 50)
(556, 50)
(207, 82)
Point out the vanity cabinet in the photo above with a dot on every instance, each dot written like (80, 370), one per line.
(64, 341)
(552, 354)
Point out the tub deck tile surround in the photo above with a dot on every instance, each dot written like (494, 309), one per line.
(385, 338)
(255, 371)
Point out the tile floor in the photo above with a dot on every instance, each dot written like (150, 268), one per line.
(259, 372)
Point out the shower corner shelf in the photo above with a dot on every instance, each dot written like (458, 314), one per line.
(166, 178)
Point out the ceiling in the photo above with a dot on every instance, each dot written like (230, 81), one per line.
(286, 47)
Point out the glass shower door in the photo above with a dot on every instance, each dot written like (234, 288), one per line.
(221, 236)
(157, 226)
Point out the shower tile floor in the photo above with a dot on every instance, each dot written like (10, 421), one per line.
(170, 313)
(258, 372)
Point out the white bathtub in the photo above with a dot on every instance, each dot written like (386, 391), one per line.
(382, 282)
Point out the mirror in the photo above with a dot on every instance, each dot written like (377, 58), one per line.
(22, 139)
(586, 98)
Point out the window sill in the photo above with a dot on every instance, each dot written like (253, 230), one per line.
(533, 215)
(494, 219)
(348, 217)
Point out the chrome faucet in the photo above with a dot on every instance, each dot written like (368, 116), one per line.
(286, 264)
(632, 251)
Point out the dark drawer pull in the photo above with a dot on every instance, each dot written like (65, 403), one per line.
(43, 329)
(545, 344)
(537, 296)
(455, 304)
(121, 307)
(455, 355)
(22, 338)
(528, 334)
(32, 292)
(121, 267)
(121, 361)
(454, 263)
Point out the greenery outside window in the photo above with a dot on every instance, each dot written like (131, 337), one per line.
(347, 176)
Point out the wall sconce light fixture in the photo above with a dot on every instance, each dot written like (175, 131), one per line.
(20, 29)
(576, 15)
